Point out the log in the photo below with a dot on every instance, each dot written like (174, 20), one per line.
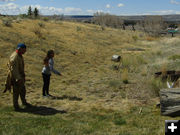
(170, 102)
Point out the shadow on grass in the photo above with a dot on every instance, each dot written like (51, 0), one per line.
(41, 110)
(72, 98)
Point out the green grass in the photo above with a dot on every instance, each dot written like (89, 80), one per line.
(174, 57)
(97, 121)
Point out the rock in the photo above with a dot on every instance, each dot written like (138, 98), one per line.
(116, 58)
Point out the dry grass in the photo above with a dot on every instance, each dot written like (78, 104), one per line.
(125, 76)
(89, 90)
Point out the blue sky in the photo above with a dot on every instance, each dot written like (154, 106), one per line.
(89, 7)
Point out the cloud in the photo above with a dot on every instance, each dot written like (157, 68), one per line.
(108, 6)
(120, 5)
(9, 8)
(174, 2)
(14, 9)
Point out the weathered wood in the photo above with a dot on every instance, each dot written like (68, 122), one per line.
(170, 102)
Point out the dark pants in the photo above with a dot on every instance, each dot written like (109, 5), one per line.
(46, 80)
(19, 89)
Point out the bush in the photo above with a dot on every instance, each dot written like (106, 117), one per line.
(22, 16)
(7, 22)
(102, 28)
(78, 28)
(37, 31)
(45, 19)
(135, 38)
(42, 25)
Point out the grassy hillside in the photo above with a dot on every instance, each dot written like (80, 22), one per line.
(95, 95)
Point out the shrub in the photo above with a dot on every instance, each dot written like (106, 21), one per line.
(135, 38)
(22, 16)
(78, 28)
(42, 25)
(102, 28)
(38, 32)
(45, 19)
(7, 22)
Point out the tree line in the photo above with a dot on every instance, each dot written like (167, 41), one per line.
(152, 24)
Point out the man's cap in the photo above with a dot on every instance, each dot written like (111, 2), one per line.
(21, 45)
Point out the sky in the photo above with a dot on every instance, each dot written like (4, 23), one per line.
(89, 7)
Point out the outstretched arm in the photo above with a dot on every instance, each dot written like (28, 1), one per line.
(51, 65)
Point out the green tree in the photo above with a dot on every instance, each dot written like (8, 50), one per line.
(29, 11)
(36, 12)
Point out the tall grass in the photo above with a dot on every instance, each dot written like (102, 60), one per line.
(124, 76)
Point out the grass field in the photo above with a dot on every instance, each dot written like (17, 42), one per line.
(95, 96)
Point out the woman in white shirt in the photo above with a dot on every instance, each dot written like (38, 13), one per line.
(46, 72)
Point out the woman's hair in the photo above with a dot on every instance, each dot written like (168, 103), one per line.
(48, 56)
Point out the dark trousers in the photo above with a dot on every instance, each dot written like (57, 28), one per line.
(19, 89)
(46, 80)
